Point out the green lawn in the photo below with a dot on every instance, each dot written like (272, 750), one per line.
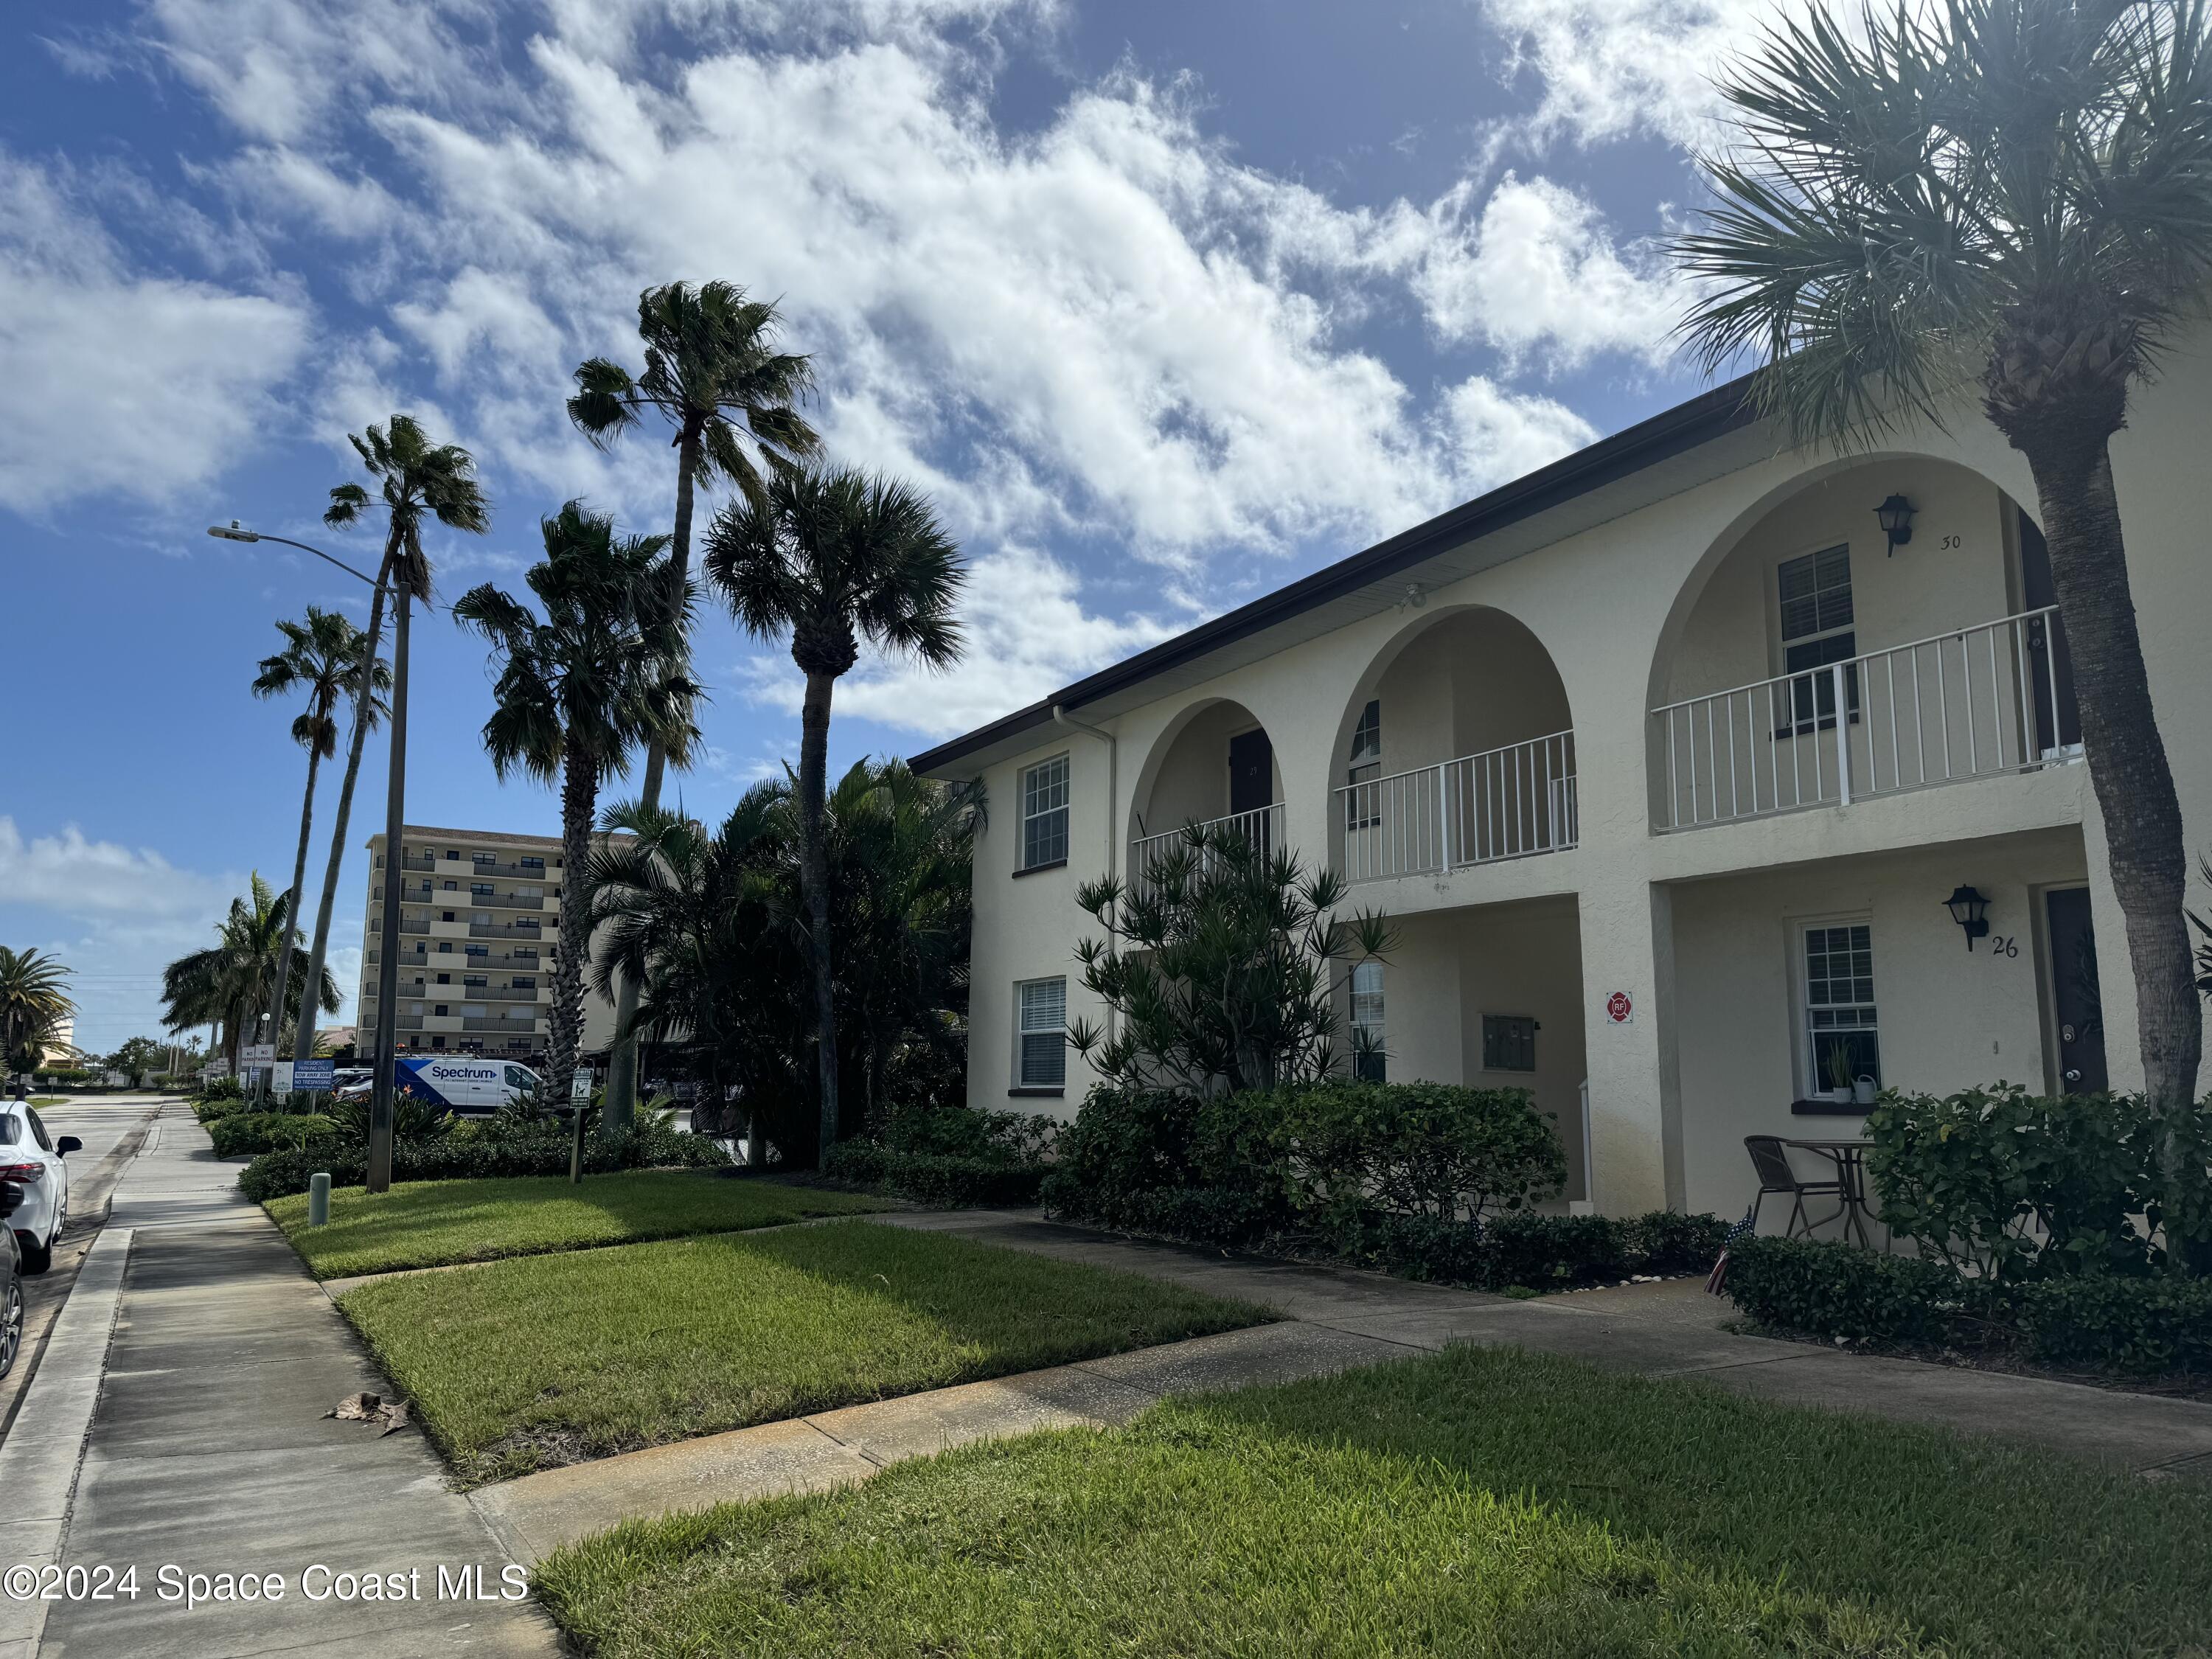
(552, 1359)
(1481, 1502)
(429, 1224)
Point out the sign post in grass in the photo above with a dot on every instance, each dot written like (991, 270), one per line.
(579, 1099)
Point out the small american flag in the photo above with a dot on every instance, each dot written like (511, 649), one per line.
(1719, 1278)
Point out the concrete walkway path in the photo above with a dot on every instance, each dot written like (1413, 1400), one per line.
(1334, 1319)
(208, 1452)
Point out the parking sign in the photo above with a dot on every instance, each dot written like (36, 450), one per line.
(316, 1076)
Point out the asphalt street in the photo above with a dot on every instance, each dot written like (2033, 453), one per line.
(113, 1128)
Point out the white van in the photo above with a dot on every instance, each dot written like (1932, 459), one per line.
(469, 1084)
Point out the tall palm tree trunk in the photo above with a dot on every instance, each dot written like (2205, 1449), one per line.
(2128, 765)
(622, 1064)
(303, 1042)
(814, 870)
(580, 788)
(292, 908)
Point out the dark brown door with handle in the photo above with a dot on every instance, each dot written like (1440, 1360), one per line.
(1252, 781)
(2076, 1000)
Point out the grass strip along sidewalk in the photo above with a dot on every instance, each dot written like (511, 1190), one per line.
(1481, 1501)
(431, 1224)
(547, 1360)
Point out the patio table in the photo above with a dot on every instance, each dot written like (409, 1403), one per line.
(1849, 1159)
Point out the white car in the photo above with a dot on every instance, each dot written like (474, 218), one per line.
(34, 1160)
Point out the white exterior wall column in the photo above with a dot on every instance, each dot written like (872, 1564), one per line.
(1635, 1135)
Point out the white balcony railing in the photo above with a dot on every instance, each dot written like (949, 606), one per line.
(1974, 703)
(1509, 803)
(1262, 827)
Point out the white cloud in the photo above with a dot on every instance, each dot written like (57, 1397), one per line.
(143, 385)
(1615, 69)
(1542, 276)
(1103, 330)
(78, 877)
(1029, 634)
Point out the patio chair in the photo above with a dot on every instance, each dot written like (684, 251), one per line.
(1771, 1162)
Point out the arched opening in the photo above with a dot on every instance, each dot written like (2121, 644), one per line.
(1456, 749)
(1215, 766)
(1816, 658)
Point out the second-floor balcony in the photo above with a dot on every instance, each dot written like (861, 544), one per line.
(1261, 827)
(1507, 803)
(1976, 703)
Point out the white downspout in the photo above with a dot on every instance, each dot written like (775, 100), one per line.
(1062, 718)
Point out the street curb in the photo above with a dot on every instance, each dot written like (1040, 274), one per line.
(45, 1447)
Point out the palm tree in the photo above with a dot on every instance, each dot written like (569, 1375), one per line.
(34, 1001)
(701, 925)
(835, 555)
(228, 985)
(709, 927)
(324, 658)
(2016, 194)
(608, 667)
(711, 368)
(415, 480)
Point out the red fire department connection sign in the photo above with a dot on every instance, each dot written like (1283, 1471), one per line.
(1619, 1008)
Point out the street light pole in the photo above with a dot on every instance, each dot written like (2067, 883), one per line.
(235, 532)
(387, 971)
(379, 1177)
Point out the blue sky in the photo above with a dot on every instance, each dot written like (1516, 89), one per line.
(1165, 303)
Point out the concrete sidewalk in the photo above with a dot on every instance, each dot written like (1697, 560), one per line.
(1335, 1318)
(208, 1452)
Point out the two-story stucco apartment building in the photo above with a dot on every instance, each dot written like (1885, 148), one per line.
(1668, 761)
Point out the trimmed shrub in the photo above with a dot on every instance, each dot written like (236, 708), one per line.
(2142, 1324)
(2013, 1184)
(1672, 1242)
(208, 1110)
(1408, 1149)
(1827, 1289)
(242, 1135)
(952, 1157)
(493, 1147)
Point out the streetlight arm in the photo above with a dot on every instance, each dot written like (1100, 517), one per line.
(236, 533)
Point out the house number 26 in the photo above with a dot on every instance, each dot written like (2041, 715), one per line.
(2002, 945)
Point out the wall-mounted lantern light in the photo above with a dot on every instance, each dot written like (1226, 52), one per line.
(1895, 518)
(1971, 911)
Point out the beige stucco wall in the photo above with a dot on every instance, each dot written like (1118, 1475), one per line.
(1626, 612)
(1948, 1018)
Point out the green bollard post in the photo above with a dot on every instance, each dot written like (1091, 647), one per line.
(319, 1199)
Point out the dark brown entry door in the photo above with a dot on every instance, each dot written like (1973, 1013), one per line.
(1251, 772)
(2074, 997)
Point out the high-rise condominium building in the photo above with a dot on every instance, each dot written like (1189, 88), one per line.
(479, 931)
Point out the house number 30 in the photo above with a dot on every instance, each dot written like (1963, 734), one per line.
(2002, 945)
(1951, 542)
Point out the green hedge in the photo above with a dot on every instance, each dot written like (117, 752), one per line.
(1827, 1289)
(2144, 1325)
(496, 1147)
(950, 1157)
(242, 1135)
(1426, 1180)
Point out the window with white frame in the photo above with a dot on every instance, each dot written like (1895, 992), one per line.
(1842, 1041)
(1368, 1063)
(1044, 813)
(1818, 629)
(1364, 807)
(1042, 1063)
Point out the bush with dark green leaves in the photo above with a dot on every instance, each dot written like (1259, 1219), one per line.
(2011, 1186)
(1427, 1179)
(1821, 1288)
(2139, 1325)
(952, 1157)
(242, 1134)
(496, 1146)
(218, 1089)
(222, 1106)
